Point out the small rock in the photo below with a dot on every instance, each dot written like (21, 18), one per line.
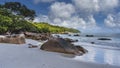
(69, 35)
(92, 42)
(32, 46)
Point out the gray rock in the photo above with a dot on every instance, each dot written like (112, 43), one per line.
(62, 46)
(32, 46)
(13, 39)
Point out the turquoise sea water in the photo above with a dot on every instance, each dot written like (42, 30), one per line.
(102, 52)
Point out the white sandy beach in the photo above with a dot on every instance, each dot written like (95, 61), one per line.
(20, 56)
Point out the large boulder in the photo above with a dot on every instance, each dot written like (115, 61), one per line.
(13, 39)
(62, 46)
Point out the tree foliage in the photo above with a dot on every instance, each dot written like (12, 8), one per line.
(20, 9)
(5, 22)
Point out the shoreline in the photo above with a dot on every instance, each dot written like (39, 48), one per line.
(24, 57)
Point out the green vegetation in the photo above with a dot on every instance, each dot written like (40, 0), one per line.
(45, 27)
(15, 17)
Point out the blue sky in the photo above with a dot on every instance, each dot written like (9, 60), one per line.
(85, 15)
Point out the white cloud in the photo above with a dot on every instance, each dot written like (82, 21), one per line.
(109, 21)
(96, 5)
(62, 10)
(63, 14)
(57, 20)
(87, 5)
(91, 21)
(74, 22)
(113, 20)
(108, 4)
(45, 1)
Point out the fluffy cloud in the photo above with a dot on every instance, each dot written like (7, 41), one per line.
(109, 21)
(62, 10)
(108, 4)
(45, 1)
(87, 5)
(113, 20)
(76, 22)
(91, 21)
(64, 14)
(72, 22)
(95, 5)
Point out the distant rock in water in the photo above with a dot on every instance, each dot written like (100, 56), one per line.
(104, 39)
(62, 46)
(89, 35)
(69, 35)
(76, 35)
(70, 40)
(13, 39)
(92, 42)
